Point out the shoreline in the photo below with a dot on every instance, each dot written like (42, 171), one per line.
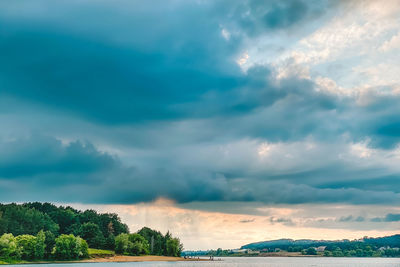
(116, 258)
(122, 258)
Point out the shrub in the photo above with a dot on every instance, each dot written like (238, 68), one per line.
(311, 251)
(69, 247)
(26, 245)
(8, 247)
(40, 246)
(92, 234)
(122, 243)
(131, 244)
(49, 241)
(174, 247)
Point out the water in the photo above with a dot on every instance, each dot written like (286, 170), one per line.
(253, 262)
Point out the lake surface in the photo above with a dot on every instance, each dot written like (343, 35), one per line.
(254, 262)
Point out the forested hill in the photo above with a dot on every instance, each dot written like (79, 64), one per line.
(287, 244)
(98, 229)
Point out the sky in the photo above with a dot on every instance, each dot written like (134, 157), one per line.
(225, 122)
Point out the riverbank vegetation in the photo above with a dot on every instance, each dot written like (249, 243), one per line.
(388, 246)
(43, 232)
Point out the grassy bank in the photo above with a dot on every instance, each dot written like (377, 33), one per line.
(100, 253)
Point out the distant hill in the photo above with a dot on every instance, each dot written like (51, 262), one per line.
(285, 244)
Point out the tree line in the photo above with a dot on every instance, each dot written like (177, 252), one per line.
(148, 241)
(98, 229)
(42, 246)
(36, 231)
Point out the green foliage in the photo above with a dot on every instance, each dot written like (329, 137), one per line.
(109, 243)
(50, 241)
(92, 234)
(30, 218)
(9, 247)
(100, 252)
(174, 247)
(140, 245)
(160, 244)
(19, 220)
(337, 253)
(69, 247)
(84, 248)
(311, 251)
(26, 245)
(40, 246)
(155, 239)
(131, 244)
(327, 253)
(57, 228)
(122, 244)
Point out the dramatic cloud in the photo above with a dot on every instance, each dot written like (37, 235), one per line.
(199, 101)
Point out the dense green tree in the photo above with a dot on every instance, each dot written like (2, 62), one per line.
(359, 252)
(110, 242)
(26, 245)
(311, 251)
(40, 245)
(49, 241)
(327, 253)
(92, 234)
(122, 244)
(9, 247)
(337, 253)
(30, 218)
(3, 223)
(155, 240)
(174, 247)
(131, 244)
(18, 220)
(69, 247)
(140, 245)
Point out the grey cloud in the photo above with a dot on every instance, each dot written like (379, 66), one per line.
(390, 217)
(77, 172)
(284, 221)
(350, 218)
(160, 83)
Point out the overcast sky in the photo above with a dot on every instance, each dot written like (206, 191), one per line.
(224, 121)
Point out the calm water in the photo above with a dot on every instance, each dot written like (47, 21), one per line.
(254, 262)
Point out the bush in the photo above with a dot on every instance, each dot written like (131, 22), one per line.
(122, 243)
(40, 246)
(174, 247)
(131, 244)
(69, 247)
(49, 241)
(92, 234)
(311, 251)
(26, 245)
(8, 247)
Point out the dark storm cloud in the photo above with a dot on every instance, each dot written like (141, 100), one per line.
(77, 172)
(37, 155)
(160, 75)
(131, 61)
